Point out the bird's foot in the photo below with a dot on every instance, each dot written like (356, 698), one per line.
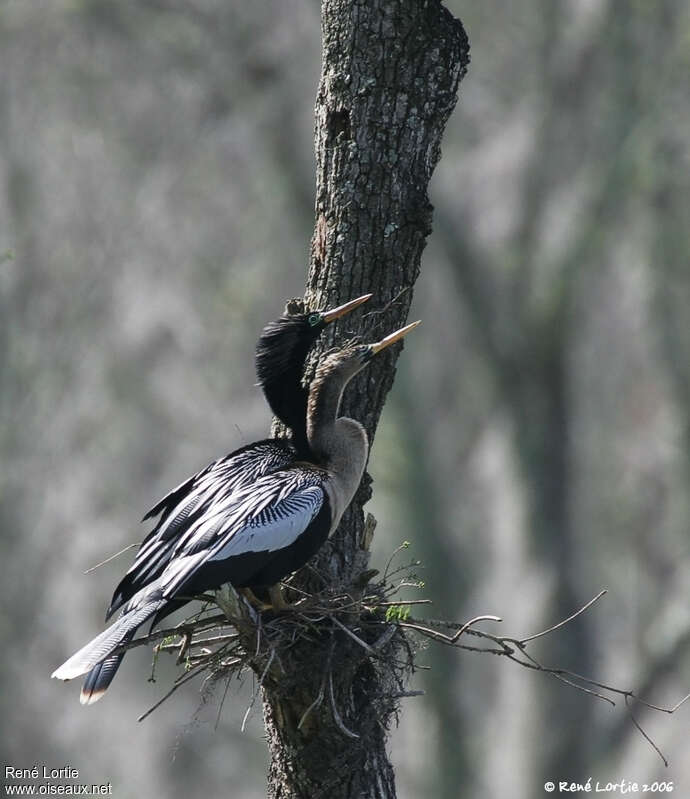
(277, 602)
(254, 600)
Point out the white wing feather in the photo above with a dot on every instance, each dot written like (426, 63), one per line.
(265, 517)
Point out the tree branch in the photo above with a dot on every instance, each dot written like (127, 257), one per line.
(370, 622)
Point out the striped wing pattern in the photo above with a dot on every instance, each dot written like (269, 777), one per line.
(206, 492)
(262, 518)
(233, 540)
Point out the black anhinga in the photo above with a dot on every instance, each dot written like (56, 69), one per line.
(281, 352)
(261, 532)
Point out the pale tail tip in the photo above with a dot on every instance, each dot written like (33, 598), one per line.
(90, 698)
(65, 673)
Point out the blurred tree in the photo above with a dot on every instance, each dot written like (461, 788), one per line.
(524, 296)
(157, 190)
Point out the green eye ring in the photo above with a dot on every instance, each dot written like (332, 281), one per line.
(314, 319)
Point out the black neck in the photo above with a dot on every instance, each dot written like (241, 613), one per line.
(280, 355)
(288, 401)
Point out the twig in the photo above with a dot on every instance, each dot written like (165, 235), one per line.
(385, 638)
(112, 557)
(669, 710)
(565, 621)
(258, 688)
(180, 629)
(260, 640)
(508, 646)
(316, 703)
(217, 639)
(404, 545)
(559, 674)
(379, 311)
(452, 640)
(176, 685)
(644, 734)
(336, 716)
(365, 646)
(403, 602)
(184, 646)
(222, 702)
(466, 626)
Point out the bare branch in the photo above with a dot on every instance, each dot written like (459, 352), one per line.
(507, 646)
(176, 685)
(316, 703)
(465, 627)
(336, 716)
(649, 740)
(566, 621)
(112, 557)
(258, 688)
(354, 637)
(262, 638)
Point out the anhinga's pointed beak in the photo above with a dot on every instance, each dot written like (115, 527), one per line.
(341, 310)
(393, 337)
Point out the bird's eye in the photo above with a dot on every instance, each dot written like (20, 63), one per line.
(314, 319)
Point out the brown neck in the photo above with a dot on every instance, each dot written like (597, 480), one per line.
(339, 444)
(322, 412)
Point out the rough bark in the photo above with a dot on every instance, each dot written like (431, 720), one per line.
(390, 74)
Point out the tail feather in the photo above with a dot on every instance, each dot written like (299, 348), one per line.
(100, 677)
(102, 646)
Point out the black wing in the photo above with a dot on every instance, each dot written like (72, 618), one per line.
(192, 500)
(237, 538)
(266, 529)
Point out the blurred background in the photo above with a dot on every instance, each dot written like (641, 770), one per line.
(156, 192)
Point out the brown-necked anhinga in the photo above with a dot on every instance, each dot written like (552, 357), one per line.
(260, 532)
(281, 353)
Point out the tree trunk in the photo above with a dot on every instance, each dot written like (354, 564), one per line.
(389, 81)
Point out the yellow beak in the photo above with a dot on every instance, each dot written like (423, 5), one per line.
(341, 310)
(393, 337)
